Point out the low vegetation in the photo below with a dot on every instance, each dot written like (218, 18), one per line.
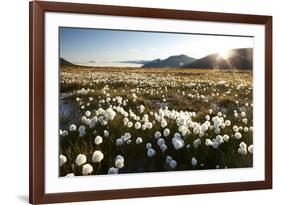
(129, 120)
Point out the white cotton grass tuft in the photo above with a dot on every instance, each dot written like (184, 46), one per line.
(98, 140)
(151, 152)
(127, 136)
(80, 159)
(87, 169)
(208, 142)
(219, 139)
(178, 143)
(235, 128)
(168, 159)
(177, 135)
(113, 170)
(160, 141)
(64, 133)
(119, 142)
(87, 113)
(70, 175)
(193, 161)
(63, 160)
(134, 96)
(141, 108)
(163, 147)
(204, 127)
(238, 135)
(245, 120)
(139, 140)
(125, 121)
(148, 145)
(251, 149)
(217, 130)
(119, 161)
(251, 129)
(137, 125)
(173, 164)
(149, 125)
(157, 135)
(163, 123)
(106, 133)
(72, 128)
(97, 156)
(215, 144)
(242, 148)
(82, 130)
(166, 132)
(225, 138)
(85, 120)
(196, 143)
(227, 123)
(109, 114)
(130, 124)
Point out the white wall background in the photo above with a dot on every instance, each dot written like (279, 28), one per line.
(14, 99)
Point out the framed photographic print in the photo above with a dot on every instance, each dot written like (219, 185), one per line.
(140, 102)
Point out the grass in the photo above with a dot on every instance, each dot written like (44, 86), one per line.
(179, 89)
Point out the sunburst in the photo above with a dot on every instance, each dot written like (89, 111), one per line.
(224, 54)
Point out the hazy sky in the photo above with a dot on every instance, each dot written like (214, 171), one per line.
(85, 45)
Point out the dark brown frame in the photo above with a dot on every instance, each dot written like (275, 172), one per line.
(36, 106)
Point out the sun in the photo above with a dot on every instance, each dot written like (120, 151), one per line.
(224, 54)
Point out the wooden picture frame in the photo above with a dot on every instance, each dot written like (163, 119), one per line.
(37, 10)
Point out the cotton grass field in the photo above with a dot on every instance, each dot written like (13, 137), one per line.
(133, 120)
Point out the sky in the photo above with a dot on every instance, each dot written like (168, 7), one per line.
(83, 46)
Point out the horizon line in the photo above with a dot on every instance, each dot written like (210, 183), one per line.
(127, 61)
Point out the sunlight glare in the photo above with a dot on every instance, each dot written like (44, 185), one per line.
(224, 54)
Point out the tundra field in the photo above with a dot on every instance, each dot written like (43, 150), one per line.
(134, 120)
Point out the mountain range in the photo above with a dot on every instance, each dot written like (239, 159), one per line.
(240, 59)
(64, 62)
(172, 62)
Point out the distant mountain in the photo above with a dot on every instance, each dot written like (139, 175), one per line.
(135, 61)
(64, 62)
(172, 61)
(241, 59)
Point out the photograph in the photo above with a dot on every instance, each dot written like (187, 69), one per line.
(131, 102)
(150, 101)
